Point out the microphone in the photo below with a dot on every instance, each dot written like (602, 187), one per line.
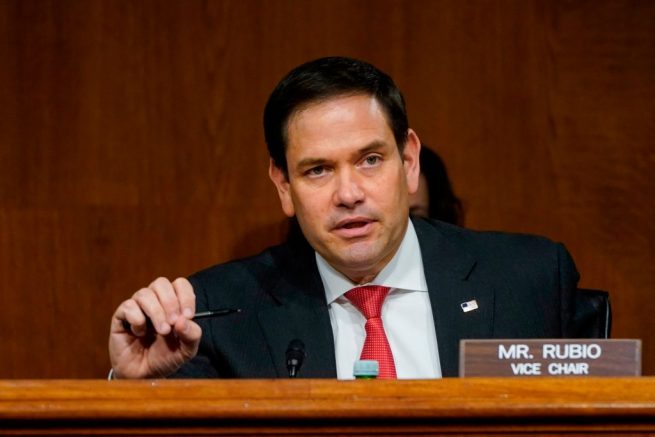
(295, 357)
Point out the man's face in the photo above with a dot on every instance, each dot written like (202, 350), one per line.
(347, 183)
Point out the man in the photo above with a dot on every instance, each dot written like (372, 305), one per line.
(344, 162)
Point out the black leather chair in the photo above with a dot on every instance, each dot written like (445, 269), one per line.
(593, 314)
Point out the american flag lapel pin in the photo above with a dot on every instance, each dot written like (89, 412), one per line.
(471, 305)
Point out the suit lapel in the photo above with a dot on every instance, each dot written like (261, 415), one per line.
(449, 272)
(299, 311)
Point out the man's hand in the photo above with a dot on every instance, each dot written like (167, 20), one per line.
(152, 333)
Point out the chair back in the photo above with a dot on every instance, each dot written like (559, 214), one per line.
(593, 314)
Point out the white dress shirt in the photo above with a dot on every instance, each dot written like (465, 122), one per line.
(406, 314)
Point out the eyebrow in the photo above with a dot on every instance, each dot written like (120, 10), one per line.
(371, 147)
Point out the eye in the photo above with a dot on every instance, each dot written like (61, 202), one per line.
(372, 160)
(315, 171)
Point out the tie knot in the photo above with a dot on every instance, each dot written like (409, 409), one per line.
(368, 299)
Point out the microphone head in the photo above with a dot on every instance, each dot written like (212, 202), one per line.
(296, 345)
(295, 356)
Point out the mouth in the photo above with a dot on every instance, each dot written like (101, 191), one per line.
(354, 227)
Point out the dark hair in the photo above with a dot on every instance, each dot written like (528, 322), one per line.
(322, 79)
(444, 205)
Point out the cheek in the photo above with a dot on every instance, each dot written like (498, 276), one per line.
(310, 205)
(391, 191)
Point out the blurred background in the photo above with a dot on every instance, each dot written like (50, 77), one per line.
(131, 144)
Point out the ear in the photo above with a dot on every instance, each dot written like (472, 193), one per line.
(281, 182)
(411, 161)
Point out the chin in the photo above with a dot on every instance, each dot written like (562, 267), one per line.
(361, 257)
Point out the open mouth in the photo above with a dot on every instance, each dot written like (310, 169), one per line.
(354, 227)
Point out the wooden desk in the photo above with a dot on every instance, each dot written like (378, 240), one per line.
(303, 407)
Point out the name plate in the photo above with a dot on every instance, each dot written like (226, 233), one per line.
(570, 357)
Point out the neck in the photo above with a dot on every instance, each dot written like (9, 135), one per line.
(359, 280)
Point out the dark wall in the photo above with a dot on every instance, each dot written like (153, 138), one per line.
(131, 146)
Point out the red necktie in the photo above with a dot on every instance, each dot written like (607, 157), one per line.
(368, 300)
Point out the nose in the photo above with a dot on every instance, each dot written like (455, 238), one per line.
(348, 192)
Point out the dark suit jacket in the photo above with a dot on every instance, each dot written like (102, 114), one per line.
(524, 286)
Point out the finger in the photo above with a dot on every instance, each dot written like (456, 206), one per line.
(185, 296)
(167, 298)
(149, 303)
(129, 318)
(188, 332)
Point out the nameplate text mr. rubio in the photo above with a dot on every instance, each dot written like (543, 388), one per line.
(573, 357)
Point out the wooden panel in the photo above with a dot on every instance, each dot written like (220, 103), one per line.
(284, 407)
(131, 147)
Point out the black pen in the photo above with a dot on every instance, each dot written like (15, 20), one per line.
(215, 313)
(201, 315)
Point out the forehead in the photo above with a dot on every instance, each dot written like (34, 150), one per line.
(352, 120)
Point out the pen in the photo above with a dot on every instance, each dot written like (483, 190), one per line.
(201, 315)
(215, 313)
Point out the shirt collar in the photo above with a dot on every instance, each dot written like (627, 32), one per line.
(404, 271)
